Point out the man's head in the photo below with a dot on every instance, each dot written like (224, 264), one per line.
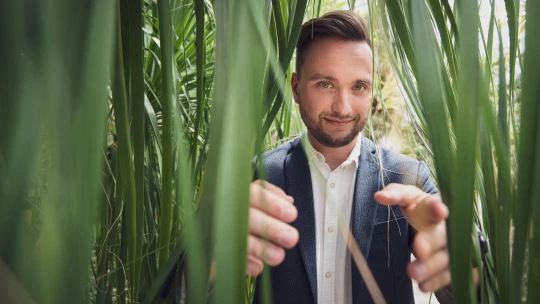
(332, 83)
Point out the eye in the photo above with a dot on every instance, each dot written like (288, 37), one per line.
(359, 87)
(324, 85)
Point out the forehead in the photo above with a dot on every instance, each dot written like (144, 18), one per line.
(338, 56)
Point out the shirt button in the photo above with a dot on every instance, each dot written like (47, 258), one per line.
(330, 229)
(328, 274)
(318, 156)
(332, 185)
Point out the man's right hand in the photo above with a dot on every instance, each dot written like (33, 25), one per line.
(269, 232)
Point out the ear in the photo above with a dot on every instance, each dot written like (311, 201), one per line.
(294, 86)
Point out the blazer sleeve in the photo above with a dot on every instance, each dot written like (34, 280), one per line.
(424, 180)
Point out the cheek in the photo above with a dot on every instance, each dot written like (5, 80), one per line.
(362, 105)
(314, 101)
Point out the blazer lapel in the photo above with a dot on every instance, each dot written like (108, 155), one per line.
(364, 211)
(298, 181)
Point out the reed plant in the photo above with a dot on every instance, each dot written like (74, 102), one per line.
(128, 129)
(473, 97)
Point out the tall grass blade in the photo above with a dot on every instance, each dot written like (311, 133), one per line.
(244, 90)
(501, 238)
(463, 192)
(512, 12)
(136, 87)
(526, 206)
(431, 95)
(166, 47)
(200, 45)
(125, 151)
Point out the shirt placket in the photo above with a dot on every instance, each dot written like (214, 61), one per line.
(330, 226)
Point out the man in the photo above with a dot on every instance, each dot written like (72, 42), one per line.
(333, 174)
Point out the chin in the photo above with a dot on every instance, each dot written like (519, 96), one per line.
(337, 142)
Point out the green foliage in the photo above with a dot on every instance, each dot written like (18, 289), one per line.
(152, 205)
(53, 93)
(436, 53)
(124, 125)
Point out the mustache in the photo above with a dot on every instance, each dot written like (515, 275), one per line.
(339, 117)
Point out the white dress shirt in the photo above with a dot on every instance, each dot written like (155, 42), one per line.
(333, 193)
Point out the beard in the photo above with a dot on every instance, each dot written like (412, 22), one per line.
(315, 127)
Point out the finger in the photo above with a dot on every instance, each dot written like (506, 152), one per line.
(436, 282)
(476, 276)
(274, 189)
(421, 270)
(276, 231)
(402, 195)
(254, 266)
(423, 208)
(265, 251)
(273, 204)
(429, 241)
(439, 210)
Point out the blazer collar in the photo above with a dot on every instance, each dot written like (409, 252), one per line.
(298, 181)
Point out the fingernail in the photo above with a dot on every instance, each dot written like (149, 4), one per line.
(286, 236)
(273, 254)
(290, 212)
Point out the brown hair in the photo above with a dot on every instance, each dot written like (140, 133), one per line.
(344, 24)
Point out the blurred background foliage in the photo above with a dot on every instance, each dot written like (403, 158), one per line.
(127, 130)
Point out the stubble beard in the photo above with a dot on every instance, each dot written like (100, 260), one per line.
(315, 127)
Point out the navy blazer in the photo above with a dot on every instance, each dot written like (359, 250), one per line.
(295, 280)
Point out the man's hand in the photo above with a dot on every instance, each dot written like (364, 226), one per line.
(271, 209)
(426, 213)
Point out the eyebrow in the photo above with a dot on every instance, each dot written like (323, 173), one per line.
(319, 76)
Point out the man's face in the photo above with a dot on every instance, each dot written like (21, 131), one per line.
(334, 90)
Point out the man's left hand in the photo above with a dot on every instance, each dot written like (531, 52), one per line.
(426, 213)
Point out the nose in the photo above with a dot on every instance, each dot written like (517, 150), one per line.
(342, 103)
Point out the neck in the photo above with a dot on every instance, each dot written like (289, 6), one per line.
(333, 156)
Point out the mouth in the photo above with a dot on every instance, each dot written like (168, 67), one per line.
(337, 122)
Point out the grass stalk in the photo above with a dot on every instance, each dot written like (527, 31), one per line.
(119, 101)
(166, 47)
(136, 88)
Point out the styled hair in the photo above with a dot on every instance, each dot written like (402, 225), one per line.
(341, 24)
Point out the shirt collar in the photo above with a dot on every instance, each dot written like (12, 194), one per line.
(314, 155)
